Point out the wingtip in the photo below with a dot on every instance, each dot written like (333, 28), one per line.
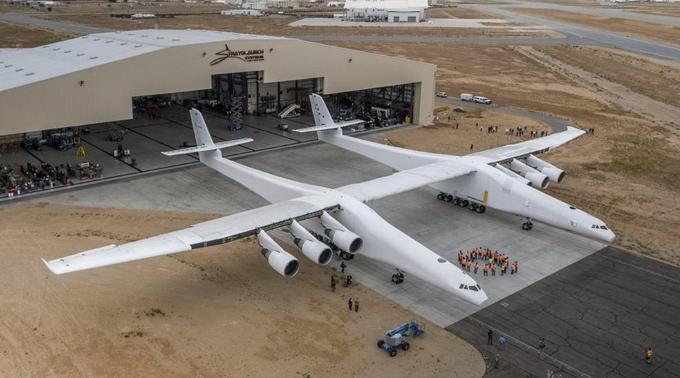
(47, 264)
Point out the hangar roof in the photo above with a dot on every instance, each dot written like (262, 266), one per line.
(386, 4)
(24, 66)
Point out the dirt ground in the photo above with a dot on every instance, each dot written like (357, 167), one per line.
(625, 173)
(451, 128)
(220, 311)
(633, 27)
(17, 36)
(277, 26)
(456, 12)
(655, 79)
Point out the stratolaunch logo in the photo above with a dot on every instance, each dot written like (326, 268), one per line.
(243, 55)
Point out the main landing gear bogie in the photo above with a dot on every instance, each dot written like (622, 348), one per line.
(460, 202)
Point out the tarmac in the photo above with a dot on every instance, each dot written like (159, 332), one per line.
(597, 307)
(597, 317)
(442, 227)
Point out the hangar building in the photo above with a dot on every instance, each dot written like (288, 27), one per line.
(101, 77)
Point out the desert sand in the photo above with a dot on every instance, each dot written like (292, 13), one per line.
(215, 312)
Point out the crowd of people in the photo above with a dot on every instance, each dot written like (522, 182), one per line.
(516, 131)
(488, 261)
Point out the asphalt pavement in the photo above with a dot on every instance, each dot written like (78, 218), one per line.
(597, 317)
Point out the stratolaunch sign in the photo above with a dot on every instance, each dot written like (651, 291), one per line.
(243, 55)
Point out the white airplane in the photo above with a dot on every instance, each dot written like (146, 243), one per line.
(318, 218)
(487, 184)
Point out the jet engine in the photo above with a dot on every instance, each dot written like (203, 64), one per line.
(281, 261)
(537, 179)
(512, 174)
(554, 174)
(345, 239)
(313, 249)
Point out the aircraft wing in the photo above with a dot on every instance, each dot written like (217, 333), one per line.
(213, 232)
(405, 180)
(536, 146)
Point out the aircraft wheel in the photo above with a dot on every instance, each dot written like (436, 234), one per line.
(473, 207)
(481, 209)
(441, 196)
(449, 198)
(464, 203)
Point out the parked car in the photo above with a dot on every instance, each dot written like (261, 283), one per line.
(466, 96)
(481, 100)
(442, 94)
(459, 110)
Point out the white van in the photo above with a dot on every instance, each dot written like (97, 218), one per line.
(481, 100)
(466, 96)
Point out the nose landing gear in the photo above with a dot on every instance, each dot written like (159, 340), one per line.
(526, 226)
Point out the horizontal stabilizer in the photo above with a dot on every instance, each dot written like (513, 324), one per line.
(329, 127)
(202, 148)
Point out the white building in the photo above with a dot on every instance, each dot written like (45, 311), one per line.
(386, 10)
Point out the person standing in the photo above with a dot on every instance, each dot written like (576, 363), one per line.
(493, 270)
(333, 283)
(349, 303)
(649, 355)
(501, 342)
(489, 338)
(476, 267)
(486, 269)
(356, 304)
(342, 267)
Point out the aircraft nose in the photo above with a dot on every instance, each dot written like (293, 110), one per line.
(609, 236)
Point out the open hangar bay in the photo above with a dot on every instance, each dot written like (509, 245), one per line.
(127, 93)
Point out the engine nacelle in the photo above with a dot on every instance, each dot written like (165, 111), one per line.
(345, 239)
(313, 249)
(554, 174)
(512, 174)
(537, 179)
(281, 261)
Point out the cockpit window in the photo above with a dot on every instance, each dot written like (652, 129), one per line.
(461, 286)
(572, 207)
(473, 288)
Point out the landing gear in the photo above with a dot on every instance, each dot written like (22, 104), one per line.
(444, 197)
(346, 256)
(526, 226)
(479, 209)
(398, 277)
(460, 202)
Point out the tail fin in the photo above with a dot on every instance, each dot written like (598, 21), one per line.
(322, 118)
(204, 142)
(201, 132)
